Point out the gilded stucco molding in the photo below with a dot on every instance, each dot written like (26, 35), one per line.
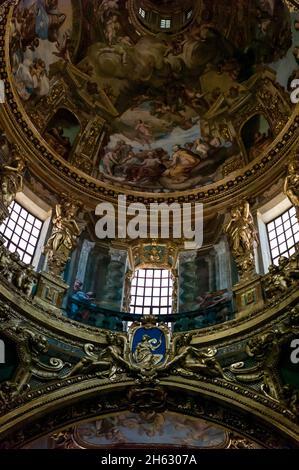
(193, 364)
(56, 323)
(58, 399)
(102, 362)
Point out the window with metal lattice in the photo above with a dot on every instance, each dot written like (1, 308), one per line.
(283, 234)
(21, 231)
(151, 292)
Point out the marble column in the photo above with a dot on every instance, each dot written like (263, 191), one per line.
(223, 265)
(188, 282)
(87, 246)
(113, 291)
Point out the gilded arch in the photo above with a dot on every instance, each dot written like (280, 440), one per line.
(60, 410)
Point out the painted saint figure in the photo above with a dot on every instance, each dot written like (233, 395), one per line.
(145, 355)
(49, 19)
(144, 132)
(183, 162)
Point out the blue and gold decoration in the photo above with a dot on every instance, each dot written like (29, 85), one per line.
(148, 347)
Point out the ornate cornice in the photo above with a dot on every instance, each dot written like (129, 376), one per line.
(63, 328)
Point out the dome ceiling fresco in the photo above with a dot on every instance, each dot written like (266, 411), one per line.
(153, 112)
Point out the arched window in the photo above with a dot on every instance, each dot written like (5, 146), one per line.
(151, 292)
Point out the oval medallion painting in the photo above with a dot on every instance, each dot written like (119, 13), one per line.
(148, 347)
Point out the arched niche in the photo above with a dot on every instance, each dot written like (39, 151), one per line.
(62, 132)
(256, 135)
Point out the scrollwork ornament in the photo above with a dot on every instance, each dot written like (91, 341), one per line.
(31, 346)
(112, 360)
(238, 442)
(266, 349)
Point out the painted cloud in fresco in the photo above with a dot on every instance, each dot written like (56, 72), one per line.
(151, 428)
(39, 31)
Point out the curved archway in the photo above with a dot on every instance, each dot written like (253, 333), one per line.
(144, 430)
(65, 404)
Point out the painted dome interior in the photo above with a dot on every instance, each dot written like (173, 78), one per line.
(149, 112)
(149, 235)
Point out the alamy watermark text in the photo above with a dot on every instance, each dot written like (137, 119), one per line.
(138, 221)
(2, 352)
(295, 353)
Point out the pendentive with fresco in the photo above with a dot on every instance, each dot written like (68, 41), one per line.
(121, 342)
